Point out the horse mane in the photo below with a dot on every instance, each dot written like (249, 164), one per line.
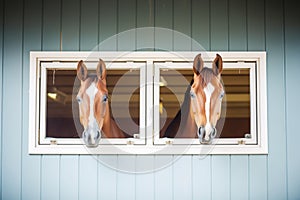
(184, 111)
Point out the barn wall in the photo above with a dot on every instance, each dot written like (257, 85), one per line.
(218, 25)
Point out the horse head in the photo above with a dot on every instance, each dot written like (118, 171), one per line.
(92, 98)
(206, 97)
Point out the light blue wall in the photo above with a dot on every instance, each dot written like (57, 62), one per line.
(230, 25)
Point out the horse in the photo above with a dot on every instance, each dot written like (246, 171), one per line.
(94, 110)
(201, 108)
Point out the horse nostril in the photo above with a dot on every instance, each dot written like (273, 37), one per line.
(201, 133)
(86, 138)
(98, 135)
(214, 133)
(84, 134)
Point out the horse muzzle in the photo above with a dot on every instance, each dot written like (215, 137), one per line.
(91, 138)
(206, 137)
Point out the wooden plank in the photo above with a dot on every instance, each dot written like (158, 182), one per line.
(145, 177)
(70, 25)
(237, 25)
(183, 178)
(163, 180)
(51, 25)
(126, 24)
(50, 177)
(68, 179)
(202, 185)
(255, 25)
(145, 13)
(258, 177)
(89, 25)
(182, 25)
(12, 100)
(219, 25)
(145, 24)
(200, 25)
(239, 180)
(108, 25)
(163, 35)
(277, 185)
(88, 177)
(1, 89)
(220, 168)
(126, 177)
(107, 176)
(292, 32)
(31, 168)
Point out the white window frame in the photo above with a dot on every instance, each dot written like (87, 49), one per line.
(148, 141)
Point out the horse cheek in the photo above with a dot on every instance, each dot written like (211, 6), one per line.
(97, 109)
(82, 116)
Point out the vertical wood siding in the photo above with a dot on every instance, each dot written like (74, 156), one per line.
(1, 87)
(218, 25)
(12, 100)
(292, 49)
(31, 168)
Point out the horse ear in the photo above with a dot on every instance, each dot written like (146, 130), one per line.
(101, 70)
(217, 65)
(81, 71)
(198, 64)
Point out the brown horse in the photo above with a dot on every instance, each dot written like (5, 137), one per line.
(201, 108)
(94, 109)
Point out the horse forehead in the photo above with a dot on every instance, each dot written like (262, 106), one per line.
(209, 89)
(92, 90)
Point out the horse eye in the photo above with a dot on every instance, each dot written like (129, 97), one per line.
(105, 98)
(79, 99)
(222, 95)
(192, 94)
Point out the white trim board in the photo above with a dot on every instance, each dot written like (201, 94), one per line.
(148, 143)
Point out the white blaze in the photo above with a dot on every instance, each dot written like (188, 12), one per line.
(208, 90)
(91, 92)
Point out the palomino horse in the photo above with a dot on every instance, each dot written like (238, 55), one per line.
(93, 105)
(201, 108)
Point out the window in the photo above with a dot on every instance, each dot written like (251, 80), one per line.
(236, 126)
(151, 101)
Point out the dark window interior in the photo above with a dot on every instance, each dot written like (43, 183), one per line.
(237, 100)
(62, 87)
(63, 84)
